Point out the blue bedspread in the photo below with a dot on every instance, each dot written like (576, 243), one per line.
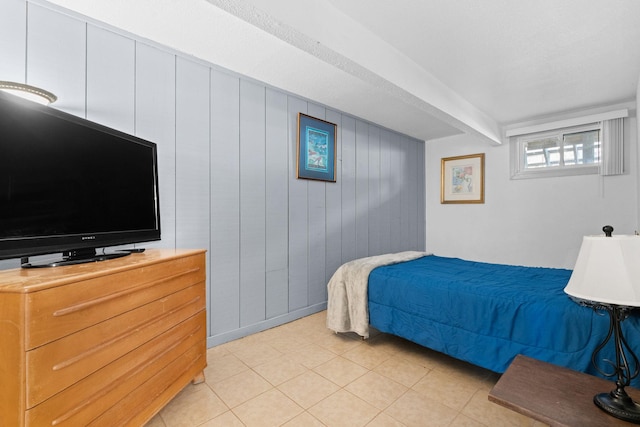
(486, 314)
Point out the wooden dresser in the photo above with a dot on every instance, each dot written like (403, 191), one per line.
(104, 344)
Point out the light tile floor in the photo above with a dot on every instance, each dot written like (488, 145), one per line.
(302, 375)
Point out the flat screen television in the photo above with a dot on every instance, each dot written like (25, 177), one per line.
(71, 186)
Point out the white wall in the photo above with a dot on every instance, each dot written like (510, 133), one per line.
(534, 222)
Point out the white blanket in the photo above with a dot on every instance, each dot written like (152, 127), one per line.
(347, 309)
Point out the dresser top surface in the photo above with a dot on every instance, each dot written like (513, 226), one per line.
(24, 280)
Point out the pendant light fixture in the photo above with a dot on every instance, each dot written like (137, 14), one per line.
(32, 93)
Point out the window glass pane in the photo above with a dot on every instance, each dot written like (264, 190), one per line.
(561, 152)
(582, 148)
(542, 153)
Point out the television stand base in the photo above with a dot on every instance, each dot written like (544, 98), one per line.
(75, 257)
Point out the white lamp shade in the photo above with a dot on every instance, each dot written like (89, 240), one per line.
(607, 271)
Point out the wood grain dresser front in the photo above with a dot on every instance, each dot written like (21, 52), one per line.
(104, 344)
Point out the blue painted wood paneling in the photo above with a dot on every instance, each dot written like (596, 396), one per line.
(192, 155)
(408, 212)
(421, 197)
(227, 150)
(56, 58)
(317, 225)
(110, 79)
(362, 189)
(13, 40)
(252, 203)
(386, 194)
(334, 205)
(298, 216)
(225, 203)
(411, 192)
(192, 158)
(374, 224)
(395, 176)
(155, 110)
(348, 135)
(276, 204)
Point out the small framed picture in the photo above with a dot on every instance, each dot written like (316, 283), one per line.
(316, 149)
(462, 179)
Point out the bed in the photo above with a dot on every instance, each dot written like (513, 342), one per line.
(478, 312)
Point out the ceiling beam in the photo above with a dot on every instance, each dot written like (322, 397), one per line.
(326, 57)
(321, 30)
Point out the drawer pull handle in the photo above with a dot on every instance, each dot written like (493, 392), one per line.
(90, 303)
(131, 372)
(127, 332)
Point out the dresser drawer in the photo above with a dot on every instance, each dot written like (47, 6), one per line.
(82, 402)
(59, 311)
(134, 409)
(57, 365)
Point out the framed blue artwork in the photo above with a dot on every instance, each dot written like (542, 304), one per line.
(316, 149)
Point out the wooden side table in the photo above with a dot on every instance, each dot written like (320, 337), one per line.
(555, 395)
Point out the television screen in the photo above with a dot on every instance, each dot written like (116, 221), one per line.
(69, 185)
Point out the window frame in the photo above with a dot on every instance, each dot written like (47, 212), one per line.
(518, 167)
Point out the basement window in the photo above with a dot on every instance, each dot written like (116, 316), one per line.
(562, 152)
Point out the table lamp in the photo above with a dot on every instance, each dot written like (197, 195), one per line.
(607, 277)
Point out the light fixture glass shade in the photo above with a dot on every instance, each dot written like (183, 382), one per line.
(29, 92)
(607, 271)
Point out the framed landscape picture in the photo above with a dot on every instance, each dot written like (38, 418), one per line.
(316, 149)
(462, 179)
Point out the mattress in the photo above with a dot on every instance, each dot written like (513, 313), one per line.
(486, 313)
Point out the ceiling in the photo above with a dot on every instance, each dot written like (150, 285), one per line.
(427, 68)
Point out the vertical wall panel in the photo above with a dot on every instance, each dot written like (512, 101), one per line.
(192, 152)
(362, 189)
(316, 203)
(375, 244)
(411, 190)
(348, 189)
(414, 194)
(298, 216)
(317, 242)
(225, 203)
(110, 79)
(155, 121)
(192, 158)
(405, 197)
(13, 36)
(192, 163)
(422, 194)
(386, 195)
(395, 176)
(276, 204)
(252, 203)
(56, 58)
(277, 292)
(334, 205)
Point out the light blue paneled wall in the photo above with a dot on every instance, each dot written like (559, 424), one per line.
(13, 30)
(227, 159)
(224, 272)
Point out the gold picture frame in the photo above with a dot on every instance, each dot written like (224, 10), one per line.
(462, 179)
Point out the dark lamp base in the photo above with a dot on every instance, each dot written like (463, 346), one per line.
(619, 405)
